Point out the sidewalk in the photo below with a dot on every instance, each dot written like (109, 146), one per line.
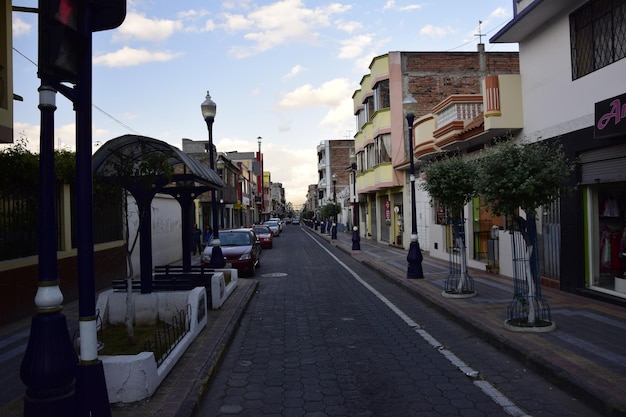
(585, 355)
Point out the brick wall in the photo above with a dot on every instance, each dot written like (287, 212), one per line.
(340, 151)
(433, 76)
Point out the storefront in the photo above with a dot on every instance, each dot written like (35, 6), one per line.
(594, 216)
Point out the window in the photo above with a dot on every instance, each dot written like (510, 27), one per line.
(381, 95)
(382, 146)
(369, 108)
(360, 119)
(597, 35)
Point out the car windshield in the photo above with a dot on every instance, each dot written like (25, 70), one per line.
(235, 239)
(261, 230)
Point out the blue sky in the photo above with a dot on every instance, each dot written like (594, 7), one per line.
(284, 70)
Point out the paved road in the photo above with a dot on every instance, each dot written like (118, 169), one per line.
(326, 336)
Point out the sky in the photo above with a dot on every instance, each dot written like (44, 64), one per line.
(284, 70)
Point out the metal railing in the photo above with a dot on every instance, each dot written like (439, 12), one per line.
(166, 339)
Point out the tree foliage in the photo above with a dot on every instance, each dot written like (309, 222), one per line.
(451, 181)
(330, 210)
(528, 176)
(19, 169)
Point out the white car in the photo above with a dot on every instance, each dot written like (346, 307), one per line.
(274, 227)
(277, 220)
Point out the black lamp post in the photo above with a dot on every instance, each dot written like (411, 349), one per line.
(414, 257)
(356, 238)
(261, 205)
(333, 230)
(208, 112)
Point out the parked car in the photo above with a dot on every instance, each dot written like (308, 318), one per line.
(241, 248)
(274, 226)
(265, 235)
(295, 220)
(280, 222)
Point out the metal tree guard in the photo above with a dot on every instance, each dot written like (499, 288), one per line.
(459, 284)
(529, 311)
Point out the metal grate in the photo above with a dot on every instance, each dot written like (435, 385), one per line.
(458, 281)
(597, 35)
(550, 243)
(528, 308)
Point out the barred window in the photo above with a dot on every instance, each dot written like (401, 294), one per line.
(597, 35)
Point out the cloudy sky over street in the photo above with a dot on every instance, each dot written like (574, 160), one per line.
(284, 70)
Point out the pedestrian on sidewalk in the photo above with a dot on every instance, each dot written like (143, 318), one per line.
(196, 234)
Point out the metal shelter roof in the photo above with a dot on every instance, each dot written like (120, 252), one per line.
(133, 150)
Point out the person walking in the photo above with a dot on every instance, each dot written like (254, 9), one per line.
(196, 234)
(208, 235)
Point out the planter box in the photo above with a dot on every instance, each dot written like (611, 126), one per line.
(132, 378)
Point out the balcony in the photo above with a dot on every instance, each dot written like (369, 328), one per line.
(472, 120)
(424, 147)
(453, 115)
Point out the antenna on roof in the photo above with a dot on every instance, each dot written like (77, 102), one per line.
(479, 34)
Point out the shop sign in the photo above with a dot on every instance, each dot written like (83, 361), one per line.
(610, 117)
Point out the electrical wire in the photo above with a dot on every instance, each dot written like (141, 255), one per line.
(92, 104)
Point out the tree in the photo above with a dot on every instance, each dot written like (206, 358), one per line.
(517, 176)
(19, 182)
(330, 210)
(132, 175)
(452, 182)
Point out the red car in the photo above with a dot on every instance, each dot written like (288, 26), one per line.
(240, 247)
(265, 235)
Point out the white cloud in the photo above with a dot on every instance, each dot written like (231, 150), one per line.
(349, 26)
(352, 48)
(340, 118)
(128, 57)
(192, 14)
(410, 7)
(138, 27)
(295, 70)
(331, 93)
(20, 27)
(436, 31)
(282, 22)
(236, 22)
(391, 4)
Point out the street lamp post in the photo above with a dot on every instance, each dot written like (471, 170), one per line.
(356, 238)
(333, 230)
(414, 257)
(208, 112)
(260, 185)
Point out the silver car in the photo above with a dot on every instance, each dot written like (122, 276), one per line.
(274, 227)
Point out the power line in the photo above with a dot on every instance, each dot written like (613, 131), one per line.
(92, 104)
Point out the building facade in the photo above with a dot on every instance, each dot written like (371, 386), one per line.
(572, 65)
(333, 157)
(448, 88)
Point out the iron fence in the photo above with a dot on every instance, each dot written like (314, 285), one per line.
(166, 339)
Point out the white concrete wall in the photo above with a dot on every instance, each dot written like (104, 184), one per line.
(554, 103)
(166, 231)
